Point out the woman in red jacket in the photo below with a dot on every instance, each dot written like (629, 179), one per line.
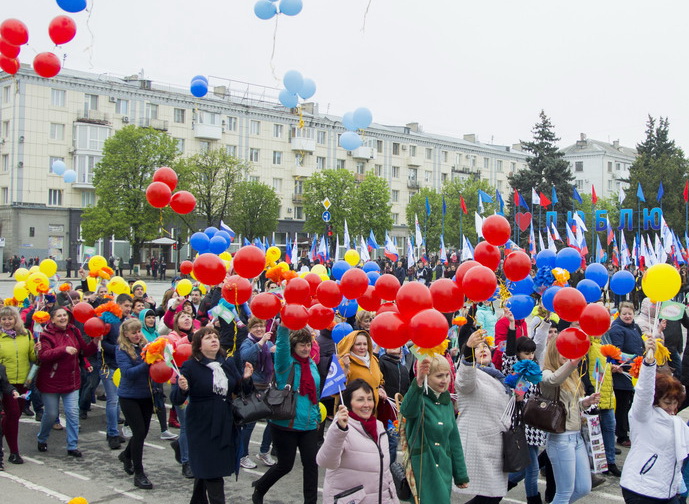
(61, 348)
(502, 326)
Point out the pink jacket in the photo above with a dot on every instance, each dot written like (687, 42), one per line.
(169, 317)
(501, 327)
(351, 458)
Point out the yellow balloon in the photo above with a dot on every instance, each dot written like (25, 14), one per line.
(48, 266)
(193, 276)
(97, 262)
(184, 287)
(202, 288)
(304, 273)
(352, 257)
(36, 281)
(21, 274)
(321, 408)
(273, 254)
(319, 269)
(92, 283)
(116, 377)
(283, 265)
(225, 256)
(139, 282)
(228, 264)
(324, 277)
(661, 282)
(34, 269)
(20, 291)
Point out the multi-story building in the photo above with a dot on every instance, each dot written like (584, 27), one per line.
(602, 165)
(70, 116)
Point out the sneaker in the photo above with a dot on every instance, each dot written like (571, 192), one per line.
(42, 447)
(626, 443)
(168, 436)
(102, 398)
(127, 431)
(247, 463)
(618, 451)
(114, 442)
(174, 423)
(613, 470)
(15, 458)
(74, 453)
(39, 416)
(266, 459)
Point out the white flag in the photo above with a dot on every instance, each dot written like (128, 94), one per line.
(620, 196)
(410, 254)
(295, 253)
(363, 252)
(580, 223)
(478, 223)
(419, 236)
(337, 248)
(346, 236)
(541, 245)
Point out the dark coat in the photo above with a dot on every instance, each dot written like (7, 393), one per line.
(395, 374)
(107, 358)
(5, 385)
(211, 433)
(626, 337)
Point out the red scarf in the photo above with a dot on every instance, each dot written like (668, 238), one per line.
(370, 425)
(307, 387)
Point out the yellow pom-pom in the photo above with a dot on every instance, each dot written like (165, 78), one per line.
(78, 500)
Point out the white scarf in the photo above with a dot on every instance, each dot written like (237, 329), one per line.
(365, 360)
(220, 383)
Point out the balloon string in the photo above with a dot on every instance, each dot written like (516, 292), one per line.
(363, 26)
(89, 48)
(272, 54)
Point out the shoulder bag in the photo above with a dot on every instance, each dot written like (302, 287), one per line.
(546, 414)
(250, 408)
(282, 402)
(515, 450)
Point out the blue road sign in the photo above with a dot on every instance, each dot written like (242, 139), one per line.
(326, 216)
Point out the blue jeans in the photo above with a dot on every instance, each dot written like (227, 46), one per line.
(607, 427)
(182, 440)
(246, 437)
(570, 460)
(529, 474)
(70, 403)
(112, 404)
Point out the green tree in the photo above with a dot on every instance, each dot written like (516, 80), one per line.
(546, 167)
(339, 187)
(370, 209)
(130, 157)
(469, 190)
(430, 224)
(254, 209)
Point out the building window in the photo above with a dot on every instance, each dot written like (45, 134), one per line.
(395, 218)
(6, 128)
(52, 160)
(609, 166)
(54, 197)
(340, 165)
(151, 111)
(277, 130)
(90, 137)
(58, 97)
(429, 154)
(579, 166)
(444, 156)
(412, 150)
(88, 198)
(180, 145)
(277, 184)
(320, 137)
(57, 131)
(32, 232)
(499, 185)
(122, 107)
(609, 185)
(298, 187)
(617, 166)
(255, 128)
(254, 178)
(361, 167)
(6, 93)
(254, 155)
(5, 162)
(395, 172)
(277, 157)
(299, 213)
(298, 160)
(513, 167)
(231, 150)
(413, 174)
(179, 115)
(378, 170)
(5, 196)
(90, 103)
(379, 146)
(320, 163)
(427, 176)
(443, 177)
(579, 184)
(395, 149)
(231, 123)
(498, 166)
(486, 163)
(411, 195)
(85, 166)
(395, 195)
(204, 146)
(472, 161)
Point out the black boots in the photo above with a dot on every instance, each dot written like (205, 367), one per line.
(141, 481)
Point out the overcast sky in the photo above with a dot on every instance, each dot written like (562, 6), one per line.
(474, 66)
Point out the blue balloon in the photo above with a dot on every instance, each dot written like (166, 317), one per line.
(288, 99)
(521, 305)
(371, 266)
(59, 167)
(589, 289)
(70, 176)
(525, 286)
(622, 283)
(545, 258)
(340, 331)
(547, 298)
(72, 5)
(362, 118)
(290, 7)
(350, 140)
(568, 258)
(308, 89)
(201, 78)
(225, 235)
(598, 273)
(372, 277)
(293, 81)
(347, 308)
(198, 88)
(218, 245)
(200, 242)
(348, 121)
(265, 9)
(339, 269)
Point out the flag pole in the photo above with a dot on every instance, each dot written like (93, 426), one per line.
(461, 244)
(593, 231)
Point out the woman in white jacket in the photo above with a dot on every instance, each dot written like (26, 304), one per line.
(660, 440)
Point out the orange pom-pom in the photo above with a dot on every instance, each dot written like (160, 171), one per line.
(65, 287)
(40, 317)
(611, 351)
(111, 307)
(459, 321)
(636, 367)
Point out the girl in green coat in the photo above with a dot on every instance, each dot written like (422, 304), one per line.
(434, 445)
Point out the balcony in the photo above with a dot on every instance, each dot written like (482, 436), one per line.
(297, 199)
(413, 161)
(84, 180)
(364, 152)
(157, 124)
(412, 184)
(303, 144)
(94, 117)
(208, 131)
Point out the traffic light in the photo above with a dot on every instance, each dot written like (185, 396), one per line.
(330, 230)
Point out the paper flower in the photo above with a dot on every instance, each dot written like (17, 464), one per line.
(459, 321)
(154, 351)
(512, 379)
(65, 287)
(561, 276)
(611, 353)
(490, 341)
(422, 353)
(662, 354)
(110, 307)
(10, 302)
(528, 370)
(40, 317)
(636, 367)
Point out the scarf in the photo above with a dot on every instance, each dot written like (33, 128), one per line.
(370, 425)
(365, 360)
(491, 371)
(265, 360)
(307, 386)
(220, 382)
(10, 332)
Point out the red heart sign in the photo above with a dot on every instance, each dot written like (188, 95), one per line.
(523, 220)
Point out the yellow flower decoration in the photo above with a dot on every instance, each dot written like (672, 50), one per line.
(561, 276)
(459, 321)
(10, 302)
(154, 351)
(504, 293)
(662, 354)
(421, 353)
(490, 341)
(41, 317)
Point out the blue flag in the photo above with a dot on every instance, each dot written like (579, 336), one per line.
(661, 191)
(246, 241)
(575, 194)
(501, 202)
(336, 379)
(640, 193)
(484, 197)
(444, 206)
(428, 207)
(553, 196)
(522, 201)
(371, 242)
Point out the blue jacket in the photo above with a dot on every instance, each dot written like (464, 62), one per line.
(108, 360)
(134, 379)
(248, 352)
(626, 337)
(308, 414)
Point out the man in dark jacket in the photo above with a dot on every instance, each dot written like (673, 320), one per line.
(675, 342)
(396, 376)
(400, 272)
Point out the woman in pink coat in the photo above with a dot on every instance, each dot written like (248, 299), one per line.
(355, 452)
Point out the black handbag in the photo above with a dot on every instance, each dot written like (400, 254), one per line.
(546, 414)
(250, 408)
(282, 402)
(399, 477)
(515, 450)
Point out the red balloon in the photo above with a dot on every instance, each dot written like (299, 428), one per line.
(428, 328)
(14, 31)
(487, 254)
(594, 320)
(83, 311)
(517, 266)
(249, 261)
(183, 202)
(158, 194)
(329, 293)
(294, 316)
(479, 284)
(387, 286)
(62, 29)
(412, 298)
(265, 305)
(388, 307)
(389, 330)
(47, 65)
(94, 327)
(572, 343)
(182, 353)
(353, 283)
(370, 300)
(167, 176)
(160, 372)
(462, 270)
(236, 290)
(320, 316)
(9, 50)
(496, 230)
(568, 303)
(9, 65)
(447, 296)
(297, 291)
(314, 281)
(175, 340)
(186, 267)
(209, 269)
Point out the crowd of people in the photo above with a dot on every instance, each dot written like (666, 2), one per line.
(445, 412)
